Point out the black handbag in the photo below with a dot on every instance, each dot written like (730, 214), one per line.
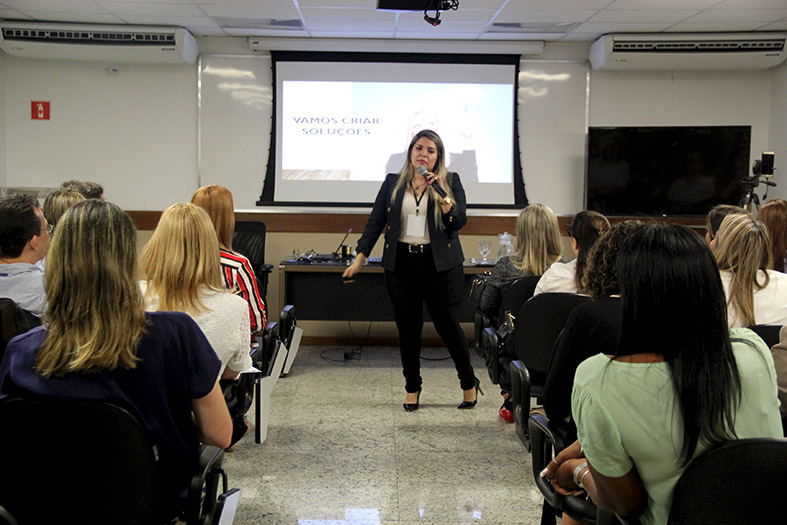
(477, 287)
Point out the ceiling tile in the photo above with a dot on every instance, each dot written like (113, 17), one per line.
(615, 27)
(58, 16)
(750, 4)
(643, 15)
(82, 6)
(12, 14)
(139, 8)
(743, 15)
(257, 11)
(529, 16)
(663, 4)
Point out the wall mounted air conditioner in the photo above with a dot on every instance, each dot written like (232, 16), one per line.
(106, 43)
(688, 51)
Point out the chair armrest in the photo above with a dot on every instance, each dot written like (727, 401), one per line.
(544, 435)
(520, 385)
(208, 472)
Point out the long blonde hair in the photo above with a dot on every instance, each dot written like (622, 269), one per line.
(217, 201)
(95, 311)
(408, 172)
(181, 259)
(537, 243)
(743, 247)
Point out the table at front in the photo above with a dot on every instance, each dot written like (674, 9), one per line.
(319, 293)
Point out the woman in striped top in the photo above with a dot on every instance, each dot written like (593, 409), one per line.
(236, 269)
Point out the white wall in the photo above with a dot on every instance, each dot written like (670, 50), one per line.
(2, 123)
(134, 131)
(778, 133)
(138, 132)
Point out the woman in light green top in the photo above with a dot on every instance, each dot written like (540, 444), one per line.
(679, 383)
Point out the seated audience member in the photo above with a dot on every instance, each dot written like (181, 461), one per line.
(678, 382)
(755, 293)
(236, 269)
(714, 218)
(536, 247)
(180, 265)
(89, 190)
(586, 227)
(55, 205)
(182, 273)
(591, 328)
(100, 344)
(773, 215)
(24, 236)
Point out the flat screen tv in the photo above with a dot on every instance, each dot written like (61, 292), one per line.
(665, 171)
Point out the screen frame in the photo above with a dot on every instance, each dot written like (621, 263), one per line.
(268, 190)
(744, 128)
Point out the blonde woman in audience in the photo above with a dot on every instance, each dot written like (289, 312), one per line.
(57, 202)
(755, 293)
(536, 248)
(585, 229)
(181, 272)
(99, 343)
(774, 216)
(714, 218)
(236, 270)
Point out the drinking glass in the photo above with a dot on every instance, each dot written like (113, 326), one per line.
(484, 246)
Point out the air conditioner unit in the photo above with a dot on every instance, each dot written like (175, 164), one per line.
(106, 43)
(684, 51)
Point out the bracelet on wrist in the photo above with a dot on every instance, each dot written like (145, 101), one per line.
(581, 483)
(577, 470)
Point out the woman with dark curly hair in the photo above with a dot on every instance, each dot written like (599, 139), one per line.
(592, 327)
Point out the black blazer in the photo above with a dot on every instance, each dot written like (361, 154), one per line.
(446, 248)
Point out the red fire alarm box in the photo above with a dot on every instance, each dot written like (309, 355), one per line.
(40, 110)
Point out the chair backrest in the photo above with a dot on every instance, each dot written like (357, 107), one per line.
(77, 461)
(249, 240)
(14, 321)
(538, 325)
(768, 332)
(737, 482)
(520, 291)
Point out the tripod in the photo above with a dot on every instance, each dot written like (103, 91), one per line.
(749, 197)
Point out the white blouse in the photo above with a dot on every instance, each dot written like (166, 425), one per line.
(560, 277)
(225, 323)
(770, 303)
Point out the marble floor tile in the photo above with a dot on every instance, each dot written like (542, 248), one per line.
(341, 450)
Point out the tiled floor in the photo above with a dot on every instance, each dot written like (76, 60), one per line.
(341, 450)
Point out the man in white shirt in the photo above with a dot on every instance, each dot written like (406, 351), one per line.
(24, 237)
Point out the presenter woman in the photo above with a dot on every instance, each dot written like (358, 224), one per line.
(422, 259)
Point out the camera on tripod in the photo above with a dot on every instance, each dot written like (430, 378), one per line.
(762, 171)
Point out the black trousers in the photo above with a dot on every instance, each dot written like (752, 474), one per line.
(413, 282)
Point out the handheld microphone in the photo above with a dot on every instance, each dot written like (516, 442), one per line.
(435, 184)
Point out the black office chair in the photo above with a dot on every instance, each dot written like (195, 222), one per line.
(14, 321)
(737, 482)
(537, 327)
(496, 357)
(249, 240)
(92, 462)
(768, 332)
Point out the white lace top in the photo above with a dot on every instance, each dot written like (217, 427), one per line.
(225, 323)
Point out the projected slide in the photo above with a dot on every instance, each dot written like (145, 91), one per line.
(341, 127)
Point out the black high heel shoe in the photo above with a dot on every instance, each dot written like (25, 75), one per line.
(474, 402)
(412, 407)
